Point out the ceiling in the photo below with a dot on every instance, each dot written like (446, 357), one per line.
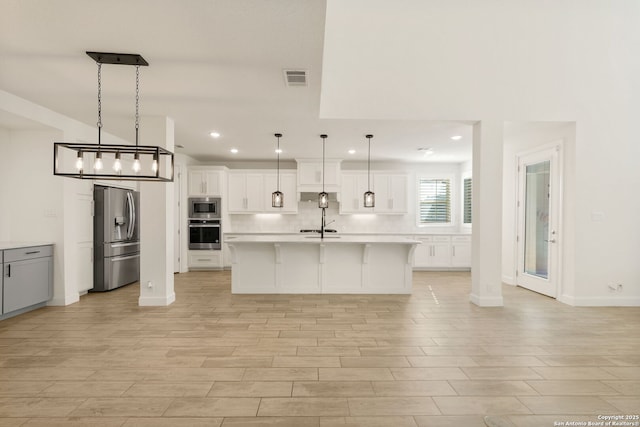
(214, 65)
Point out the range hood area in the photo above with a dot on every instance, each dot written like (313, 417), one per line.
(310, 196)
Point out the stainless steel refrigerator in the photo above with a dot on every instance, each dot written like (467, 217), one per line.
(116, 231)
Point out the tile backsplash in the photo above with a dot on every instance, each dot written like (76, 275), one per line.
(308, 217)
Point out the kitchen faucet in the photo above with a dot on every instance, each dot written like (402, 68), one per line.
(324, 223)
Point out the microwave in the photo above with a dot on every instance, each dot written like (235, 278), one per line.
(204, 208)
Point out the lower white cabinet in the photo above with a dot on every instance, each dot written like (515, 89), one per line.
(27, 278)
(442, 252)
(205, 260)
(460, 251)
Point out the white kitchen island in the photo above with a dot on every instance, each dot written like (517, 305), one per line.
(307, 264)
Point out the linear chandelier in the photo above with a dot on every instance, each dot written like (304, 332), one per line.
(113, 161)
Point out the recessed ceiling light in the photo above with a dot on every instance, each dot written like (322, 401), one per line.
(215, 134)
(352, 151)
(456, 137)
(426, 151)
(234, 150)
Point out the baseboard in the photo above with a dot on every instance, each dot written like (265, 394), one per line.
(492, 301)
(65, 300)
(600, 301)
(509, 280)
(157, 301)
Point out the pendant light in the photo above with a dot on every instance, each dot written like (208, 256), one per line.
(369, 196)
(149, 163)
(323, 197)
(277, 198)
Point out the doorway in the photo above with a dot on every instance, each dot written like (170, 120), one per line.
(177, 193)
(538, 234)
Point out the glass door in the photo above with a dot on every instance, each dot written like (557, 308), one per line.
(538, 204)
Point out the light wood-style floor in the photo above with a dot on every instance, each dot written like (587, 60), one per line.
(216, 359)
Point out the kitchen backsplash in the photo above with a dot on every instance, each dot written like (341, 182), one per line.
(308, 217)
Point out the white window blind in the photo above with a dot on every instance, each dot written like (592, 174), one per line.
(467, 192)
(435, 201)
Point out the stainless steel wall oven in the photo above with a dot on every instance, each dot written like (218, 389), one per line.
(205, 234)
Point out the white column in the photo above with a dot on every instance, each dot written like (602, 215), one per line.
(156, 222)
(486, 262)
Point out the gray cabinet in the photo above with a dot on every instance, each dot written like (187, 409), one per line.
(27, 277)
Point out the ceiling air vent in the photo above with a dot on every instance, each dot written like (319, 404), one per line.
(295, 77)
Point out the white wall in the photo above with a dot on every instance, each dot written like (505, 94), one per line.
(5, 229)
(523, 60)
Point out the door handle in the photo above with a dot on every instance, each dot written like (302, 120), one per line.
(551, 240)
(9, 270)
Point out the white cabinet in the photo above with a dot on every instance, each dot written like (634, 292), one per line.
(433, 252)
(461, 251)
(288, 188)
(310, 175)
(205, 182)
(351, 196)
(205, 260)
(391, 193)
(440, 252)
(27, 278)
(245, 192)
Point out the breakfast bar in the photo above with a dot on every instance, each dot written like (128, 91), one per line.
(303, 264)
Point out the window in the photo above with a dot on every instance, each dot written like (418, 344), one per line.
(434, 201)
(467, 191)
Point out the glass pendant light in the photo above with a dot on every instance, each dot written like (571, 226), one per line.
(369, 196)
(154, 165)
(79, 161)
(117, 165)
(97, 165)
(136, 163)
(277, 198)
(323, 197)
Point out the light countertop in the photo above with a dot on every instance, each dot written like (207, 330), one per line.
(18, 245)
(311, 238)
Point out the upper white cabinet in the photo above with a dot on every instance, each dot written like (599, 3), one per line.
(205, 182)
(391, 193)
(310, 175)
(351, 196)
(249, 191)
(390, 190)
(287, 187)
(245, 192)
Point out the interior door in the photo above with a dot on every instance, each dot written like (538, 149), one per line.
(538, 220)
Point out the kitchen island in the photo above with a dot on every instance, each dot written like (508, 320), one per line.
(309, 264)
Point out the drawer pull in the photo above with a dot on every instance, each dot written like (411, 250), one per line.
(32, 252)
(9, 270)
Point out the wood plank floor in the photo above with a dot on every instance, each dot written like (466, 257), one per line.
(216, 359)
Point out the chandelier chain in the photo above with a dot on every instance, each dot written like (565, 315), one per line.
(99, 95)
(137, 96)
